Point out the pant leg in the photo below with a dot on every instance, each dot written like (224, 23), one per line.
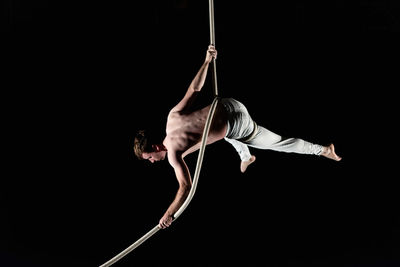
(241, 149)
(265, 139)
(240, 125)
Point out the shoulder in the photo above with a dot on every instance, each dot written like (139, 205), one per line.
(172, 112)
(175, 158)
(175, 109)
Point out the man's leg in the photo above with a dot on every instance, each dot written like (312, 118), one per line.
(265, 139)
(244, 153)
(242, 149)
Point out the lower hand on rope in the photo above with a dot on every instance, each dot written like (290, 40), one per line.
(166, 221)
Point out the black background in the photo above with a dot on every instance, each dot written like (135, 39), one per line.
(74, 73)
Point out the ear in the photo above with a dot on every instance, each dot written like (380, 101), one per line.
(158, 148)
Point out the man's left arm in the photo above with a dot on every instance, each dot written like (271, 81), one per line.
(197, 82)
(185, 184)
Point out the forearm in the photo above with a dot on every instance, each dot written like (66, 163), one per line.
(180, 198)
(185, 184)
(200, 77)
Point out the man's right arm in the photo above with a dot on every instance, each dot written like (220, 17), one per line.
(185, 183)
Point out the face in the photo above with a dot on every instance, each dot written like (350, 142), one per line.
(156, 155)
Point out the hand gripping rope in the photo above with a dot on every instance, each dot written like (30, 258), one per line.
(199, 159)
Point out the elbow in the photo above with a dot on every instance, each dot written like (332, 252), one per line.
(196, 88)
(185, 188)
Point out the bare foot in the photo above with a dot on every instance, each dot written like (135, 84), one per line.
(329, 152)
(245, 164)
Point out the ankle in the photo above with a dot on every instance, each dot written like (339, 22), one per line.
(326, 150)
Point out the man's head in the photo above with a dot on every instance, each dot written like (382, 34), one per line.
(145, 148)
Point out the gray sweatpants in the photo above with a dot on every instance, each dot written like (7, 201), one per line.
(240, 126)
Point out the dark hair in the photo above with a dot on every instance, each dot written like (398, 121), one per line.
(141, 144)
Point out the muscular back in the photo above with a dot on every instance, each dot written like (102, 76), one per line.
(184, 129)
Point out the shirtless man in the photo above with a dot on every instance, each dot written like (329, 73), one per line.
(231, 122)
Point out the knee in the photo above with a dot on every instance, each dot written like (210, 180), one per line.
(292, 144)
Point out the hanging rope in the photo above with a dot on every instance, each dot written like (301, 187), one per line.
(199, 159)
(212, 42)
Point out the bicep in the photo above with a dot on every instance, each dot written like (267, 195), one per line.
(186, 101)
(181, 170)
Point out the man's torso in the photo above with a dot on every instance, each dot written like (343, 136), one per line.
(184, 130)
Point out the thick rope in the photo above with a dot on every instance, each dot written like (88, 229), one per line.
(199, 159)
(212, 42)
